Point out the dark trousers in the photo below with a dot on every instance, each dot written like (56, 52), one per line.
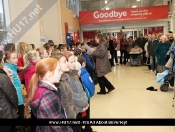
(127, 55)
(93, 75)
(87, 128)
(103, 82)
(121, 54)
(144, 58)
(21, 111)
(115, 56)
(112, 58)
(77, 128)
(33, 128)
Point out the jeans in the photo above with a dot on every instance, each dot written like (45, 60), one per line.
(153, 62)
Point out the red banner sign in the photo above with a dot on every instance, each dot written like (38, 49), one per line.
(123, 15)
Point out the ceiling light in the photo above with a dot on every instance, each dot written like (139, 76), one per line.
(106, 1)
(107, 8)
(134, 6)
(138, 0)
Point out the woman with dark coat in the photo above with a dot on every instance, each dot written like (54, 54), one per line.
(102, 64)
(160, 52)
(9, 99)
(112, 50)
(123, 47)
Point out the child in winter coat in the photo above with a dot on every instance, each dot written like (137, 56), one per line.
(31, 58)
(87, 82)
(80, 98)
(11, 62)
(44, 97)
(65, 89)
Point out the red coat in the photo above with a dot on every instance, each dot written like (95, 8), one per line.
(123, 45)
(20, 64)
(28, 73)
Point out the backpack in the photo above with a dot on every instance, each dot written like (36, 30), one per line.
(87, 82)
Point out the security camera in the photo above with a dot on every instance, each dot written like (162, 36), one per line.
(74, 16)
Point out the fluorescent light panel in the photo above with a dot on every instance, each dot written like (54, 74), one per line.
(138, 0)
(107, 8)
(106, 1)
(134, 6)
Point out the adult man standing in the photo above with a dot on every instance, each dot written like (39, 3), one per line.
(141, 41)
(151, 47)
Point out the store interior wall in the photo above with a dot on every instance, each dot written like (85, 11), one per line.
(52, 24)
(33, 35)
(68, 17)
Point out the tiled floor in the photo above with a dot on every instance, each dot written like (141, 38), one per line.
(130, 99)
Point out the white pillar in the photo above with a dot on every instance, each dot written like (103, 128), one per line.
(172, 16)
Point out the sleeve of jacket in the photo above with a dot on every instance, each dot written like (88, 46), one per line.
(156, 51)
(67, 103)
(89, 62)
(169, 51)
(100, 52)
(10, 91)
(148, 48)
(80, 100)
(50, 108)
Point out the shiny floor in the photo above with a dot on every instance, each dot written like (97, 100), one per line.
(130, 99)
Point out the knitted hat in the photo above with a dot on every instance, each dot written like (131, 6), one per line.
(50, 41)
(77, 52)
(8, 47)
(135, 44)
(77, 64)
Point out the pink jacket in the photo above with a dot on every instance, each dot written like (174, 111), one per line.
(28, 73)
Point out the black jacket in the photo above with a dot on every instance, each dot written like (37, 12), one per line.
(8, 97)
(111, 45)
(152, 46)
(141, 42)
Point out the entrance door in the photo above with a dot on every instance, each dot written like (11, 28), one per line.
(137, 32)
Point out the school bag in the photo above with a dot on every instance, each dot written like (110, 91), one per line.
(87, 83)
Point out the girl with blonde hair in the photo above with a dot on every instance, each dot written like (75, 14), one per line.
(21, 50)
(31, 58)
(42, 52)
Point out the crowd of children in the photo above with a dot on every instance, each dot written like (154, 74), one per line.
(49, 80)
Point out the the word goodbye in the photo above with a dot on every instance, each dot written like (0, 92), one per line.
(111, 14)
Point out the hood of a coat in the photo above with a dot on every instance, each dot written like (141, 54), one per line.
(63, 77)
(28, 67)
(83, 71)
(106, 44)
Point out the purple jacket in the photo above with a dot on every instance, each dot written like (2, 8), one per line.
(47, 105)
